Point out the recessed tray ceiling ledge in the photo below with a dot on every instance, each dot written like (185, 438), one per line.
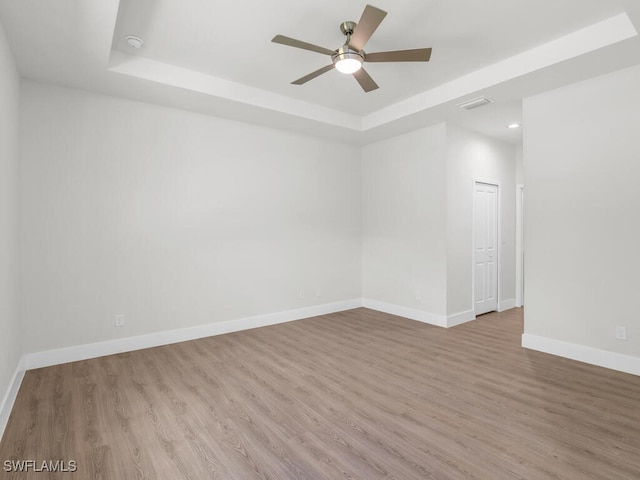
(581, 42)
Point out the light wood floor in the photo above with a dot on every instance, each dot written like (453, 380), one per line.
(358, 395)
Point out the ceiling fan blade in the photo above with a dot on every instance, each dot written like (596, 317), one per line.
(415, 55)
(312, 75)
(365, 80)
(371, 18)
(292, 42)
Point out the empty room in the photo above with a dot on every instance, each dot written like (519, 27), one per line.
(319, 240)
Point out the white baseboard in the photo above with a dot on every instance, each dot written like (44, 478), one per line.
(582, 353)
(411, 313)
(507, 305)
(110, 347)
(10, 397)
(460, 318)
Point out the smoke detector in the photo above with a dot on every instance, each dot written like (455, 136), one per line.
(133, 41)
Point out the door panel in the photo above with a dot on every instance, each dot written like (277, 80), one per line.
(485, 248)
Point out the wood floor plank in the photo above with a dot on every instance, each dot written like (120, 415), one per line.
(354, 395)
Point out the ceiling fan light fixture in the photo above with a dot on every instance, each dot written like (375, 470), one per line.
(347, 61)
(348, 65)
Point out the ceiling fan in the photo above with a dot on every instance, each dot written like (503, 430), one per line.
(349, 57)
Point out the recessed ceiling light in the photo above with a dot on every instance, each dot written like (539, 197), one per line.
(133, 41)
(514, 125)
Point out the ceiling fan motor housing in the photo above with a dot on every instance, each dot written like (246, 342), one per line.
(345, 52)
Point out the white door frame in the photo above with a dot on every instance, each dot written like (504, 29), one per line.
(519, 246)
(473, 239)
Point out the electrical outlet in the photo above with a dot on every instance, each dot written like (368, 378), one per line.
(302, 293)
(119, 320)
(318, 292)
(621, 333)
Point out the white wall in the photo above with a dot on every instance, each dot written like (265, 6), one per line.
(10, 332)
(404, 220)
(417, 220)
(175, 219)
(519, 165)
(520, 248)
(471, 156)
(582, 211)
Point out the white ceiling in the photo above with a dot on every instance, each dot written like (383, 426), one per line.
(216, 57)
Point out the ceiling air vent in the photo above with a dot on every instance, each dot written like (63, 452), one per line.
(475, 103)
